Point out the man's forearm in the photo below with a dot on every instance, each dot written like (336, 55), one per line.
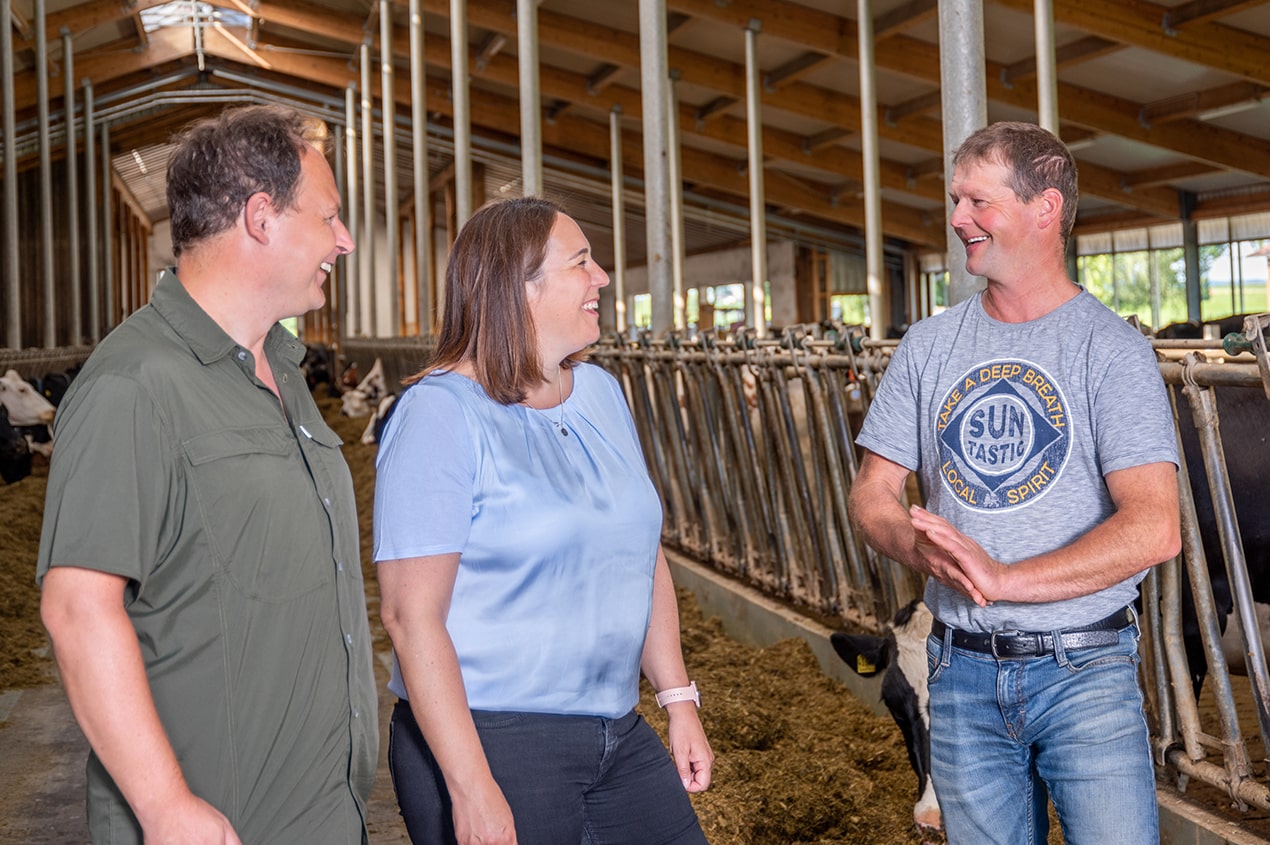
(102, 670)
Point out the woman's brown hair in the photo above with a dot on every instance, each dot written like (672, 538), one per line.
(486, 318)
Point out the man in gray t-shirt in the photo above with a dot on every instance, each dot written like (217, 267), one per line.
(1042, 431)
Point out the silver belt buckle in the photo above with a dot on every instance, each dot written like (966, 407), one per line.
(992, 641)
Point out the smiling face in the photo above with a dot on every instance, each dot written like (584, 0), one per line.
(309, 237)
(1000, 233)
(565, 300)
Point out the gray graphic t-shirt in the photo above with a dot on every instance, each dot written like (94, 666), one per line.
(1012, 427)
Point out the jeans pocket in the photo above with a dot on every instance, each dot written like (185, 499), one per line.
(492, 720)
(934, 659)
(1122, 653)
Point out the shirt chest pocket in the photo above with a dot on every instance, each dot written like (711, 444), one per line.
(267, 530)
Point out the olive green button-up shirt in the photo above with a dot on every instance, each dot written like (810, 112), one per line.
(176, 467)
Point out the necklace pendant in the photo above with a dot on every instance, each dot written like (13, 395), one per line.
(564, 432)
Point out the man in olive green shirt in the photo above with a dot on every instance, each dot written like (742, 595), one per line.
(199, 562)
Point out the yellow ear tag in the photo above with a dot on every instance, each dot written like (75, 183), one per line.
(863, 666)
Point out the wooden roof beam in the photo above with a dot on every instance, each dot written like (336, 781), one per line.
(491, 46)
(1199, 103)
(1081, 50)
(931, 168)
(602, 78)
(1202, 11)
(832, 135)
(1154, 176)
(1236, 51)
(899, 19)
(714, 109)
(24, 28)
(921, 105)
(795, 69)
(832, 33)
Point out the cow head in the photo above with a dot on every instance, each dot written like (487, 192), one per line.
(25, 405)
(901, 655)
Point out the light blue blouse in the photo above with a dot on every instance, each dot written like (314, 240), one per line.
(557, 532)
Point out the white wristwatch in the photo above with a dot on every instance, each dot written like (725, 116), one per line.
(688, 693)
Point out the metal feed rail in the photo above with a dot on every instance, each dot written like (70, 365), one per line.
(751, 446)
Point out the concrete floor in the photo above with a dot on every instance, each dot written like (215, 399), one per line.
(42, 754)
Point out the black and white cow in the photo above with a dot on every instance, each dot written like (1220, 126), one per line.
(383, 412)
(901, 654)
(1244, 423)
(363, 399)
(15, 456)
(318, 367)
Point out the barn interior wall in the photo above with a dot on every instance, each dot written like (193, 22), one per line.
(733, 265)
(160, 248)
(30, 248)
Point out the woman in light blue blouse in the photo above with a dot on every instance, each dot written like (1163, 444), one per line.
(522, 578)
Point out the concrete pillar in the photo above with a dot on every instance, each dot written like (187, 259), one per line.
(754, 298)
(653, 71)
(964, 103)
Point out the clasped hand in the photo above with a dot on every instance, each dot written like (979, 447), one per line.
(956, 560)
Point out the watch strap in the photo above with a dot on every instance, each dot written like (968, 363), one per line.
(688, 693)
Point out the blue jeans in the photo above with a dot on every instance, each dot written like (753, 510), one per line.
(568, 779)
(1004, 731)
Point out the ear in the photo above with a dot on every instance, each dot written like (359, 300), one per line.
(258, 216)
(1050, 208)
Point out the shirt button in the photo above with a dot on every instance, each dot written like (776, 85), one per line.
(348, 638)
(326, 500)
(242, 355)
(357, 712)
(339, 567)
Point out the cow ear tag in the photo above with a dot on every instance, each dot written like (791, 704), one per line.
(863, 665)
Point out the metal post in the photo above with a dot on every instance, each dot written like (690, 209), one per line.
(72, 188)
(1046, 68)
(422, 188)
(754, 300)
(676, 199)
(90, 224)
(387, 97)
(530, 97)
(107, 229)
(352, 295)
(12, 289)
(879, 317)
(653, 68)
(619, 220)
(964, 102)
(1190, 256)
(338, 281)
(369, 283)
(46, 176)
(462, 113)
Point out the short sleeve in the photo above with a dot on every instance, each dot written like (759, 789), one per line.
(424, 477)
(1142, 431)
(110, 483)
(890, 428)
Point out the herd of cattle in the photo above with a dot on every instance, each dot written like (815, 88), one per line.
(27, 408)
(28, 405)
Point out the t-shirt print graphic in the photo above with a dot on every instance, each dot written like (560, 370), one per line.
(1002, 435)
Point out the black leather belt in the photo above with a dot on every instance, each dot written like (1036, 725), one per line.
(1104, 632)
